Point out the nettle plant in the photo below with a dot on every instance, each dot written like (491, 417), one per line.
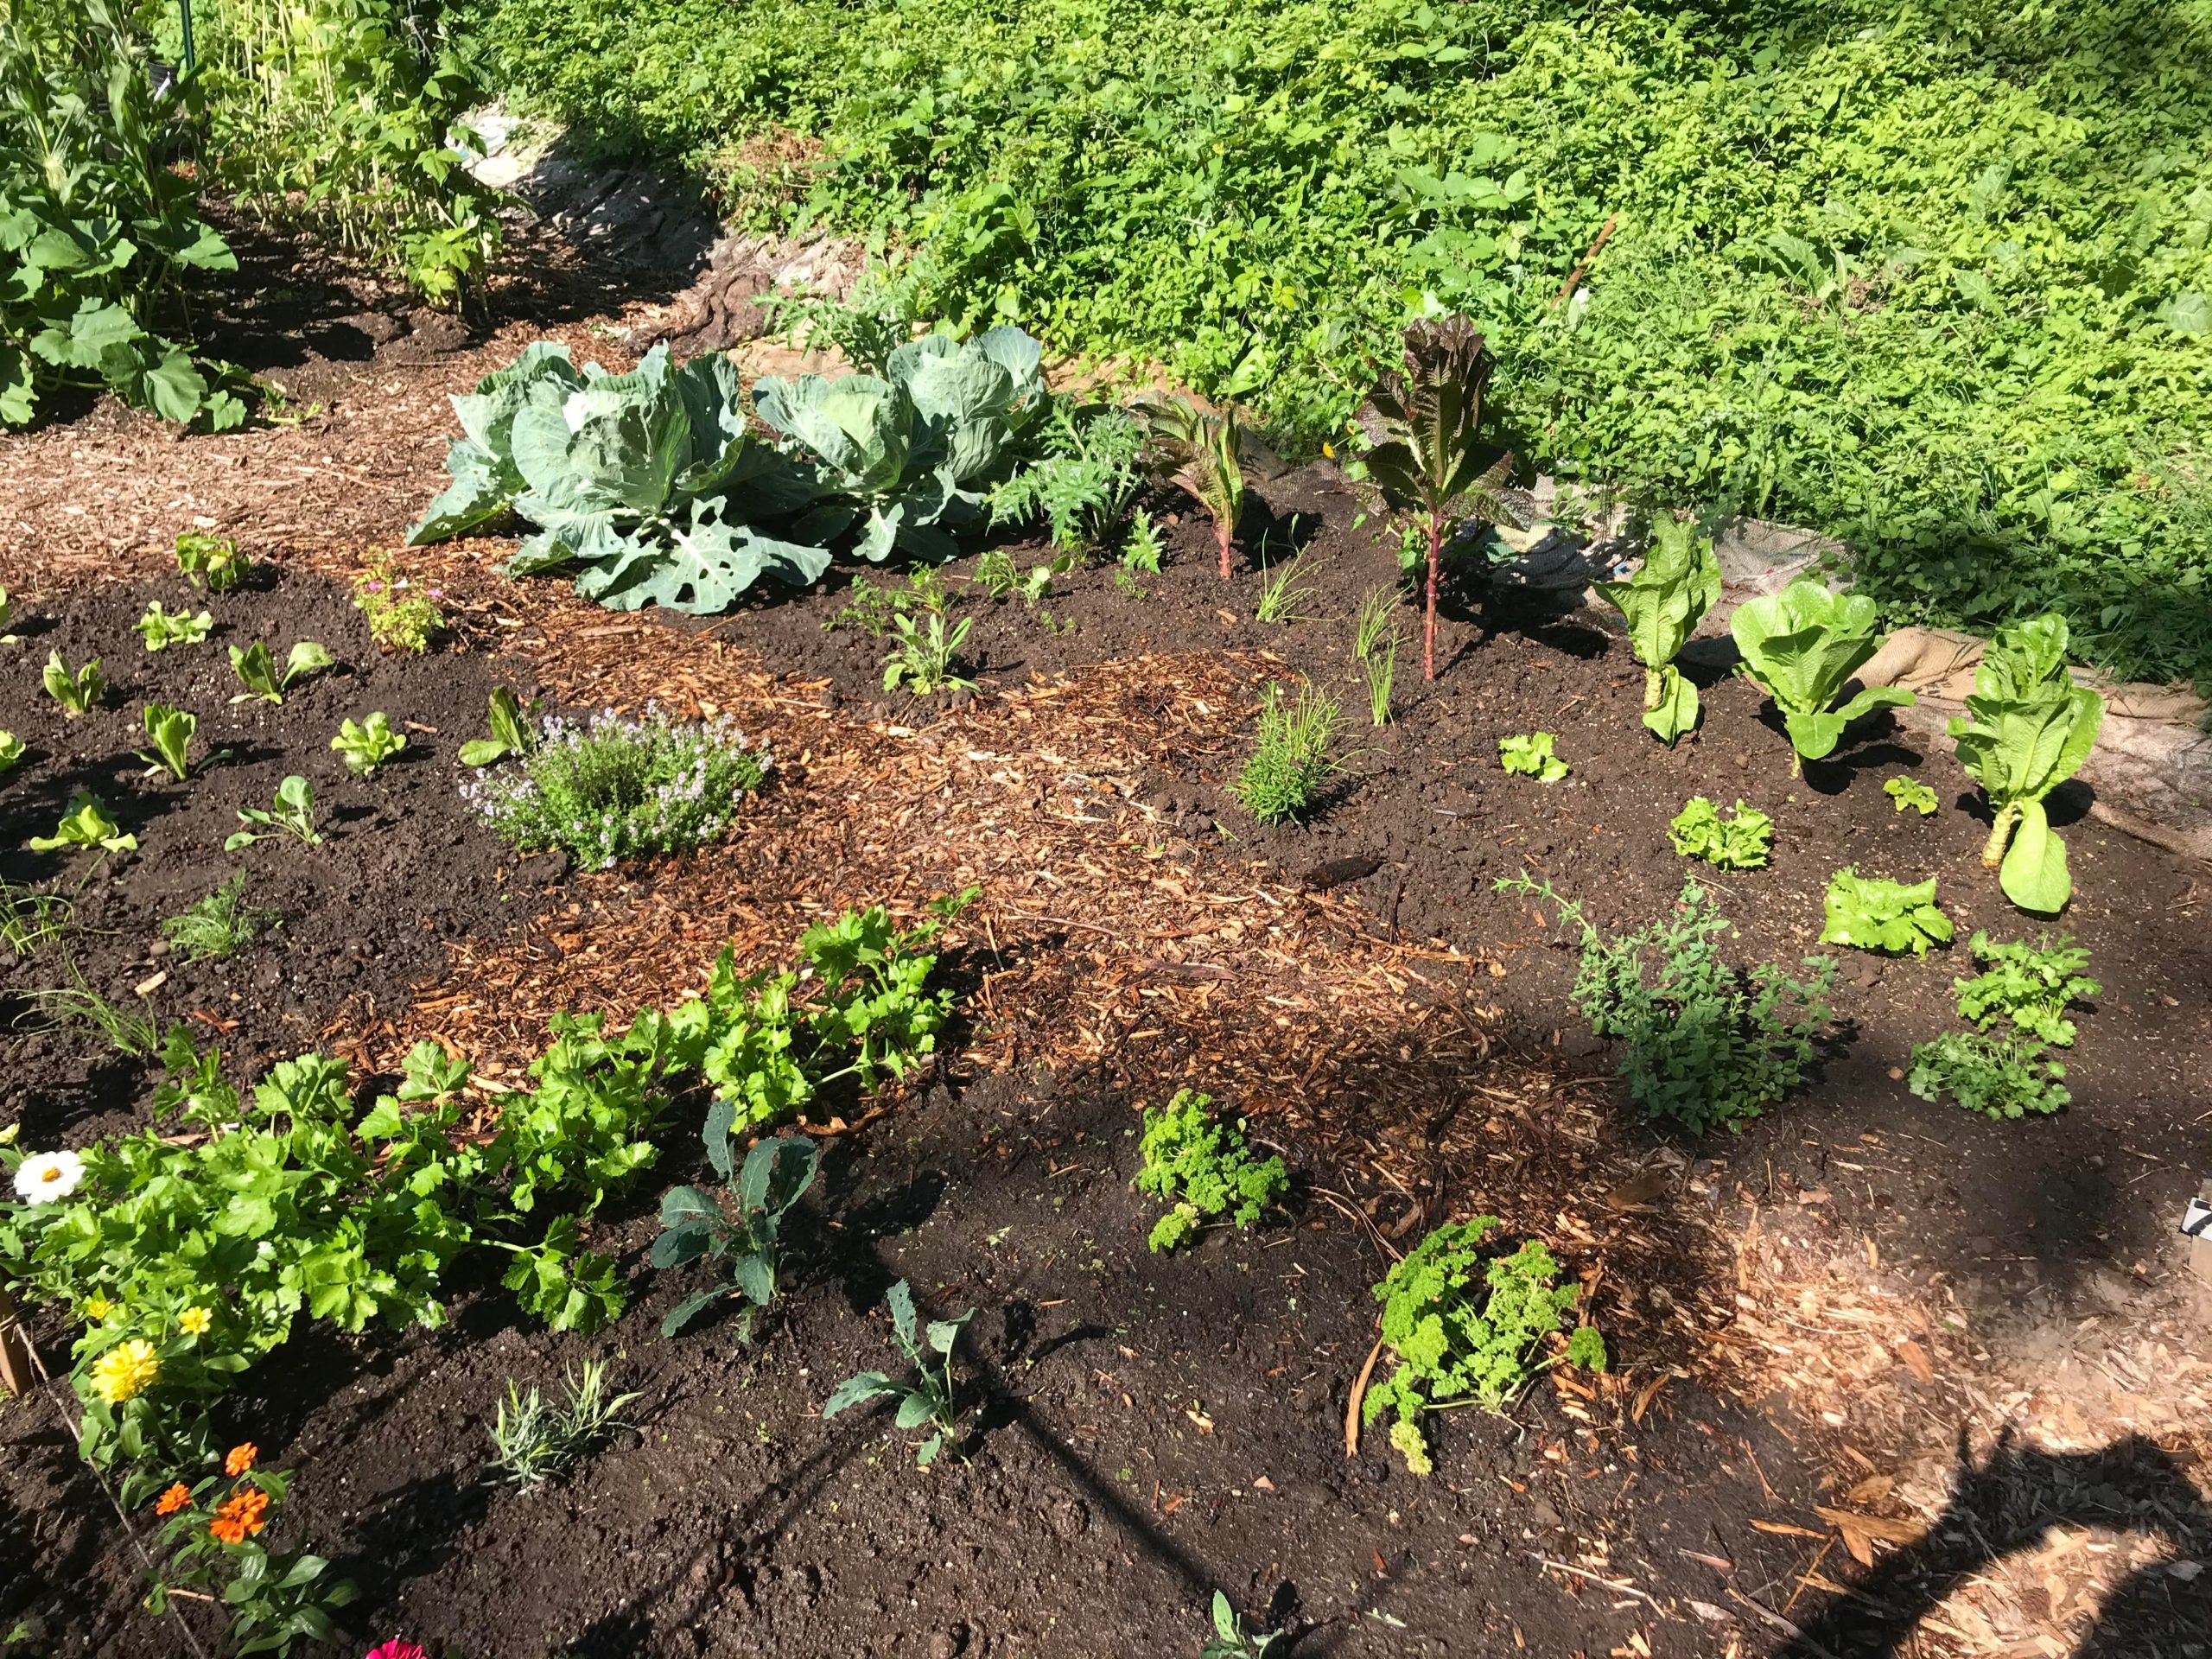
(1424, 454)
(613, 787)
(1875, 914)
(2027, 729)
(742, 1238)
(929, 1396)
(1706, 1044)
(1738, 841)
(367, 743)
(1462, 1326)
(1197, 451)
(1203, 1170)
(1662, 603)
(1801, 646)
(161, 628)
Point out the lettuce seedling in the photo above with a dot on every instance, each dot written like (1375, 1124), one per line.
(1231, 1640)
(86, 824)
(1204, 1169)
(511, 733)
(1878, 915)
(1422, 423)
(294, 815)
(1198, 452)
(1738, 842)
(1532, 757)
(162, 628)
(1663, 604)
(1800, 646)
(170, 730)
(929, 1398)
(2027, 729)
(12, 751)
(75, 691)
(773, 1177)
(1462, 1326)
(368, 744)
(256, 670)
(2030, 985)
(1909, 793)
(210, 562)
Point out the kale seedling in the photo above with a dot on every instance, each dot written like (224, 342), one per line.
(257, 669)
(1203, 1169)
(930, 1397)
(693, 1223)
(1879, 915)
(1707, 1044)
(294, 815)
(86, 825)
(1911, 794)
(1462, 1327)
(1738, 842)
(1998, 1077)
(170, 731)
(2028, 984)
(1532, 757)
(161, 629)
(75, 691)
(367, 744)
(1290, 757)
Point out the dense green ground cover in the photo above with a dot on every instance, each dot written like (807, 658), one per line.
(1931, 277)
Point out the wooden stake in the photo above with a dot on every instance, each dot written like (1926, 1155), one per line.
(1575, 276)
(15, 1351)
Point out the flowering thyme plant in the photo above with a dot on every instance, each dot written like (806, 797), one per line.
(213, 1534)
(613, 787)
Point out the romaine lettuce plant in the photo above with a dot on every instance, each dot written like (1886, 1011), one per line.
(1800, 647)
(1879, 915)
(2027, 729)
(85, 825)
(1197, 451)
(1424, 456)
(210, 562)
(293, 814)
(1910, 794)
(12, 751)
(510, 732)
(75, 691)
(257, 669)
(1663, 604)
(365, 745)
(170, 730)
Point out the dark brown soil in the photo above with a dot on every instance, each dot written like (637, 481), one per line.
(404, 866)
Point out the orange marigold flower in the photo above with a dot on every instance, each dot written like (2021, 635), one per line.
(241, 1458)
(239, 1516)
(173, 1500)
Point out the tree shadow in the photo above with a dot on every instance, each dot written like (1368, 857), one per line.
(2009, 1503)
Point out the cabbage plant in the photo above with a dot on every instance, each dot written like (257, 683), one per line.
(2027, 729)
(1663, 604)
(1800, 647)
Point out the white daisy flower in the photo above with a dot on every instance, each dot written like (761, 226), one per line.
(45, 1177)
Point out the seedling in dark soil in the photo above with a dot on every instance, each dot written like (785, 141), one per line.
(773, 1177)
(1375, 647)
(511, 733)
(12, 750)
(170, 731)
(1532, 757)
(1290, 756)
(161, 629)
(85, 826)
(1662, 603)
(1231, 1640)
(536, 1441)
(1738, 842)
(210, 562)
(1204, 1169)
(2031, 985)
(294, 815)
(930, 1397)
(75, 691)
(257, 669)
(367, 743)
(1909, 793)
(923, 661)
(220, 924)
(1879, 915)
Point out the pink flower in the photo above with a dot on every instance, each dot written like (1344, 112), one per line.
(398, 1648)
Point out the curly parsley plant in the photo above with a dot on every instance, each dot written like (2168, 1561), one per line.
(611, 787)
(1462, 1328)
(1204, 1169)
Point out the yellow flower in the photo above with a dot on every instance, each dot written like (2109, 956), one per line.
(126, 1371)
(194, 1321)
(97, 1307)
